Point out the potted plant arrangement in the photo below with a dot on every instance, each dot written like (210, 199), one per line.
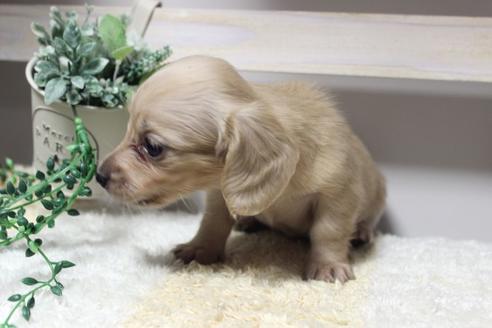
(94, 65)
(83, 75)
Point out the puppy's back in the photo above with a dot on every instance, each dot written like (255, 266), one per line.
(332, 157)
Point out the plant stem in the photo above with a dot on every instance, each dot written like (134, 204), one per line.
(33, 291)
(53, 192)
(116, 69)
(31, 190)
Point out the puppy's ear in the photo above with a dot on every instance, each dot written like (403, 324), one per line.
(260, 160)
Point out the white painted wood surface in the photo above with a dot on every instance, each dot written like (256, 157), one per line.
(393, 46)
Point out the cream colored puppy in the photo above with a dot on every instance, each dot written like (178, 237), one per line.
(280, 153)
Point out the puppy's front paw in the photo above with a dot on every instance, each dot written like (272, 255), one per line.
(195, 251)
(329, 272)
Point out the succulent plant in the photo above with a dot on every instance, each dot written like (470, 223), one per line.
(91, 63)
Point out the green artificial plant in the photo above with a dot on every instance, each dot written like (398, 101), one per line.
(92, 62)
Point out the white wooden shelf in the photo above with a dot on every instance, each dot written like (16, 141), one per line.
(392, 46)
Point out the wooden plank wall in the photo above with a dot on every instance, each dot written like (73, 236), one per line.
(390, 46)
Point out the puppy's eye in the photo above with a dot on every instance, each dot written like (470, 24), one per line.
(153, 149)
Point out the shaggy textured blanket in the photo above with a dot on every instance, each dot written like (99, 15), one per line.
(125, 277)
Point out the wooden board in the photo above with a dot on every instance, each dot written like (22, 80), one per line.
(393, 46)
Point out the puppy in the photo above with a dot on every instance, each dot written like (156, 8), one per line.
(280, 153)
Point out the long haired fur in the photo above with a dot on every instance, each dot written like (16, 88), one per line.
(281, 153)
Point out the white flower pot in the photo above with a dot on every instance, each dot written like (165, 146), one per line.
(53, 128)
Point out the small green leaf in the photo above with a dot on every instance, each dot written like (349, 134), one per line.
(29, 253)
(73, 212)
(50, 164)
(120, 53)
(40, 175)
(30, 228)
(72, 35)
(77, 81)
(47, 204)
(31, 302)
(46, 67)
(71, 15)
(58, 267)
(29, 281)
(87, 29)
(73, 97)
(47, 189)
(69, 179)
(95, 66)
(10, 188)
(56, 290)
(55, 89)
(14, 298)
(75, 173)
(55, 14)
(60, 195)
(61, 47)
(40, 218)
(86, 49)
(41, 78)
(51, 223)
(67, 264)
(33, 246)
(86, 192)
(26, 313)
(39, 31)
(22, 186)
(9, 163)
(22, 221)
(60, 199)
(94, 87)
(112, 32)
(3, 235)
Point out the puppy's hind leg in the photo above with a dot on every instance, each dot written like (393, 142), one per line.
(364, 234)
(330, 237)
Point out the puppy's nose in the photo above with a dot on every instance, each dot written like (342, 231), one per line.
(102, 179)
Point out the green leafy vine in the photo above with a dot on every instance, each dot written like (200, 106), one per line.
(56, 189)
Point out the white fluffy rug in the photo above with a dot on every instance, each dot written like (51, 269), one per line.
(125, 278)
